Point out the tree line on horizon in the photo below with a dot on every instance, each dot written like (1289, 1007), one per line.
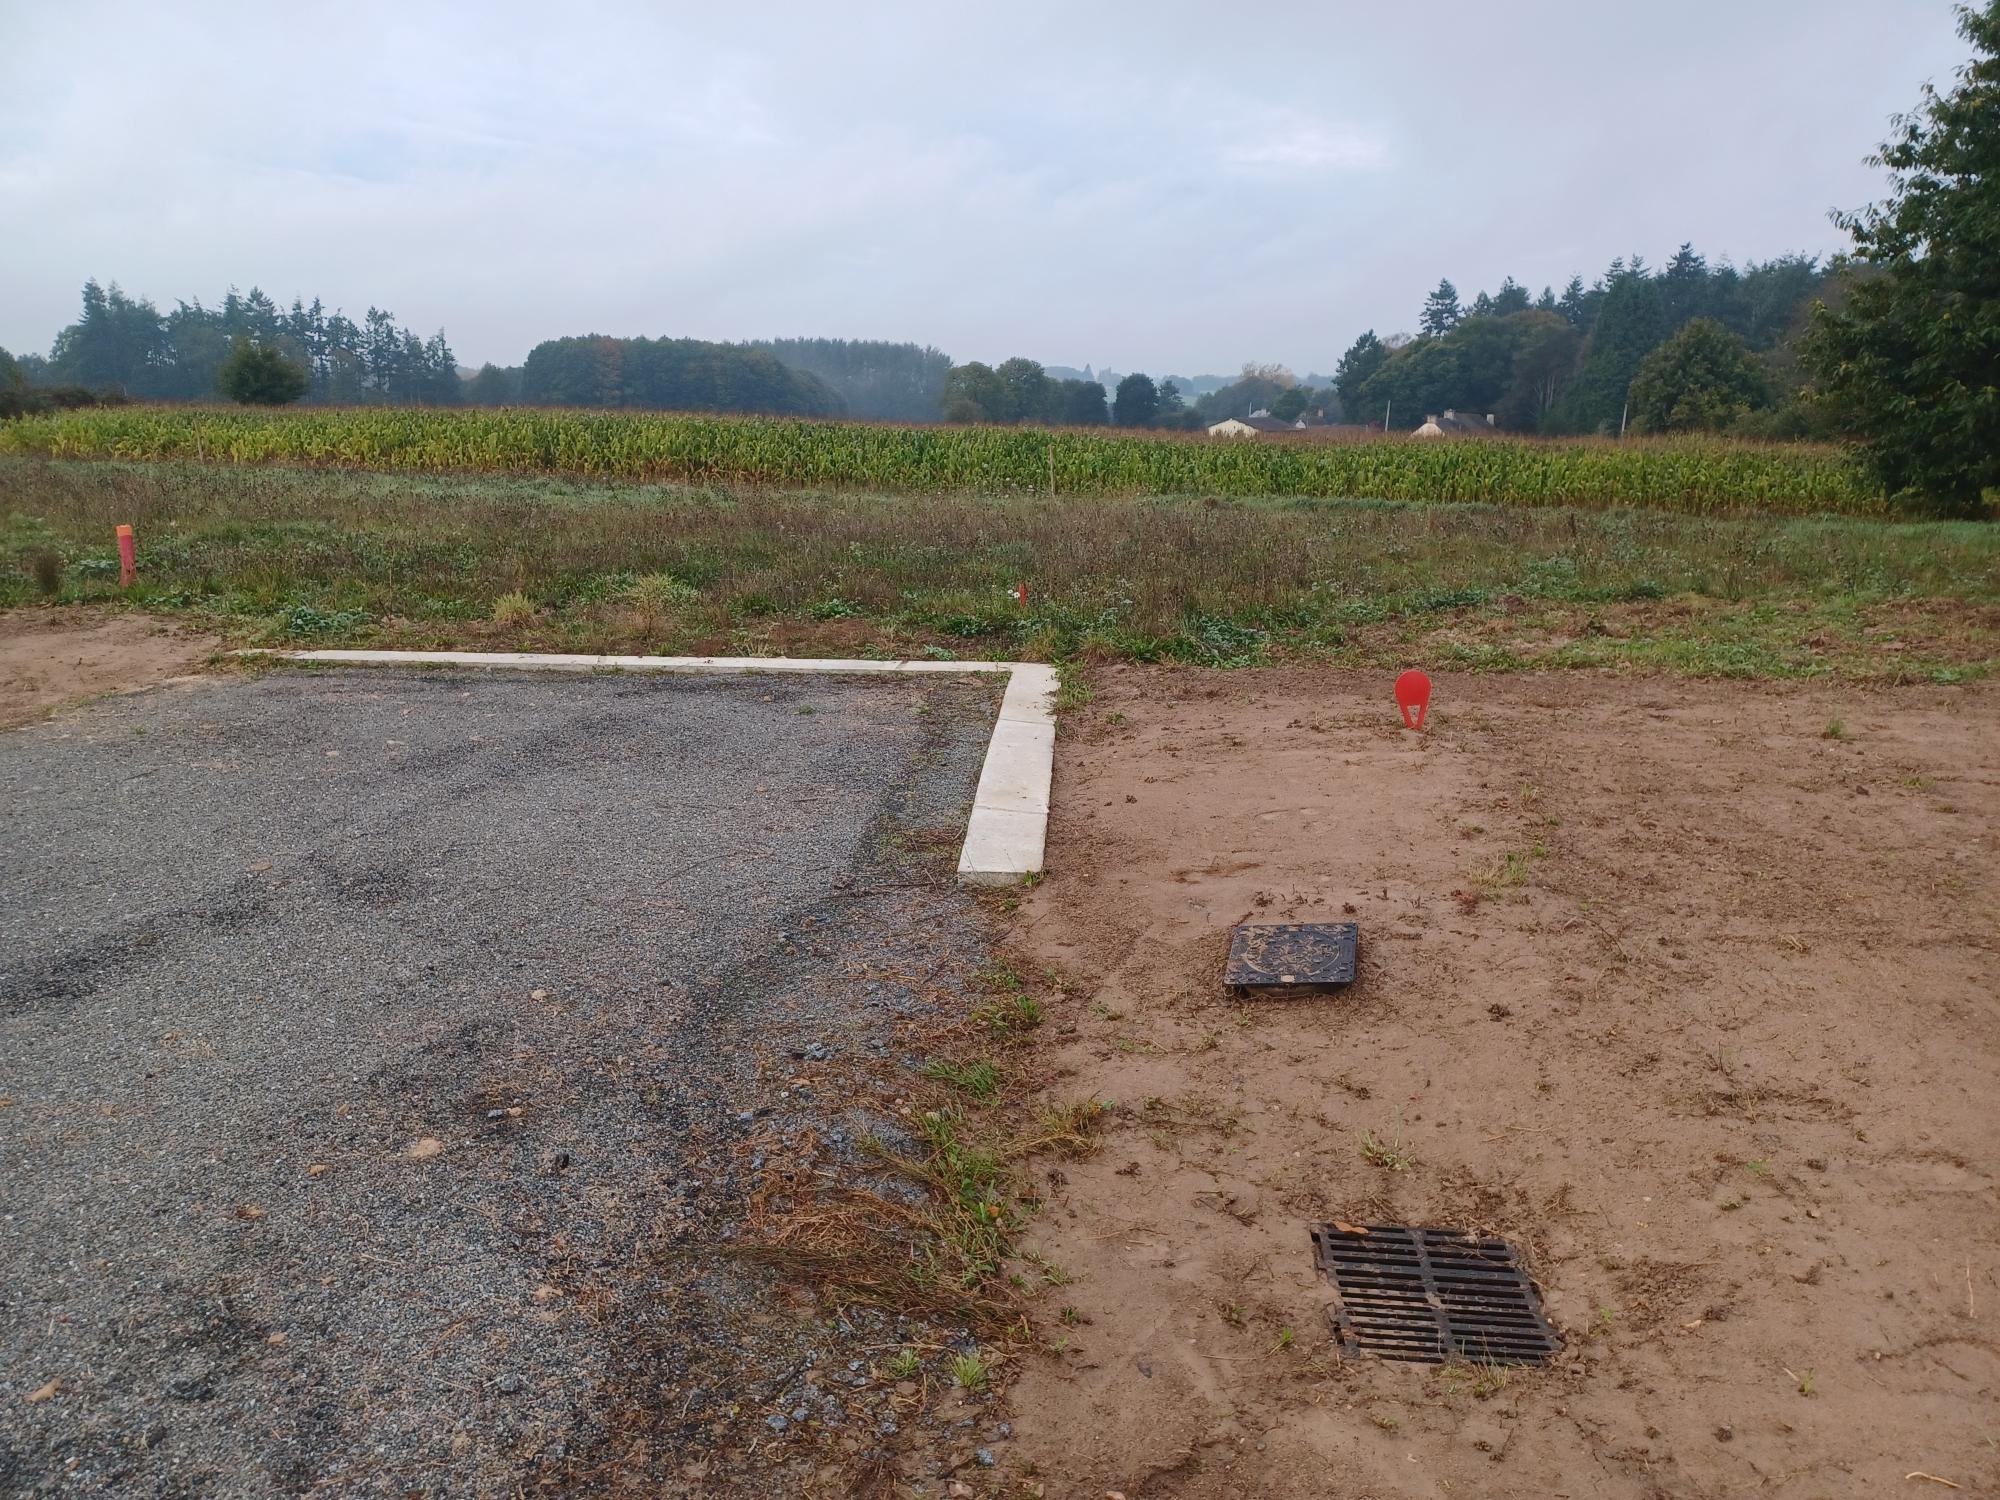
(1688, 347)
(127, 346)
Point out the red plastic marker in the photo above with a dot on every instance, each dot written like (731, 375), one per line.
(128, 558)
(1021, 593)
(1413, 697)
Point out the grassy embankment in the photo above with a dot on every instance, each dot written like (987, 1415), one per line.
(345, 556)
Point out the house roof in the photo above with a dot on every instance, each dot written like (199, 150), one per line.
(1266, 424)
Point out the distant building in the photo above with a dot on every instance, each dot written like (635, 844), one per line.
(1252, 425)
(1454, 424)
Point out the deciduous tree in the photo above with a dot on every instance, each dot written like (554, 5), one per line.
(1913, 360)
(261, 375)
(1704, 378)
(1136, 403)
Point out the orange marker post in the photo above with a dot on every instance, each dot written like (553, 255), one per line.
(1021, 593)
(128, 558)
(1413, 697)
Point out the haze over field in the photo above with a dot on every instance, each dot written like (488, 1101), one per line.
(1158, 187)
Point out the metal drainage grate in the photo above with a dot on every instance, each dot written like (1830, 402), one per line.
(1290, 958)
(1432, 1295)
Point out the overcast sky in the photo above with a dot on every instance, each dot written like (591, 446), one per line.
(1162, 186)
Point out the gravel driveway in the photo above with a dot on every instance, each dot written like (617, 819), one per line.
(367, 1040)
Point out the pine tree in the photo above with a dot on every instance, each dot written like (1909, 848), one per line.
(1575, 304)
(1441, 312)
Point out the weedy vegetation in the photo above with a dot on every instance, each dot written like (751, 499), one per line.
(424, 560)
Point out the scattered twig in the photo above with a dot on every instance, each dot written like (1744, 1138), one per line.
(1933, 1478)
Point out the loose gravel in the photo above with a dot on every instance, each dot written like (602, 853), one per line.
(375, 1046)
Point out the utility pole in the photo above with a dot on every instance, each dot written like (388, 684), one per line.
(1623, 412)
(1387, 407)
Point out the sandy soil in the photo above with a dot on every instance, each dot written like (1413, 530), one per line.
(53, 657)
(1717, 1048)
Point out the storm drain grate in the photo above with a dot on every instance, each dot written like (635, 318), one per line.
(1290, 958)
(1432, 1295)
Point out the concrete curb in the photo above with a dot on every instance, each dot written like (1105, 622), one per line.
(1007, 836)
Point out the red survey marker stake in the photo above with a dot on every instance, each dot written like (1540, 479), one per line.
(128, 558)
(1021, 593)
(1413, 697)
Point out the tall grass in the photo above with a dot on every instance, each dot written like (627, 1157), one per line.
(1691, 475)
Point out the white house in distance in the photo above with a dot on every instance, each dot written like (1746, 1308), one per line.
(1451, 424)
(1250, 426)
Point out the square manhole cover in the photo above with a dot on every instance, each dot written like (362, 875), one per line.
(1432, 1295)
(1279, 959)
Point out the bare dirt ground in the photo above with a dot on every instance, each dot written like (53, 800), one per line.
(53, 657)
(1684, 987)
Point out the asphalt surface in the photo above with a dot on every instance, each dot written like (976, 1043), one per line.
(374, 1046)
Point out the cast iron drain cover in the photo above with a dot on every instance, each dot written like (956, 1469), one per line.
(1290, 958)
(1432, 1295)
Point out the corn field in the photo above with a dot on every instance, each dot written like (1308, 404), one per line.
(1699, 476)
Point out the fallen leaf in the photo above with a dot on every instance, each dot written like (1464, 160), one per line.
(544, 1293)
(6, 1101)
(425, 1149)
(260, 867)
(1694, 1324)
(317, 1169)
(538, 994)
(276, 1338)
(1346, 1228)
(249, 1211)
(43, 1393)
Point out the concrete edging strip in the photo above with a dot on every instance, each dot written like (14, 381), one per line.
(1007, 836)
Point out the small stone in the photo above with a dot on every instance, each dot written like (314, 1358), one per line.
(984, 1458)
(906, 1388)
(855, 1364)
(317, 1169)
(1724, 1434)
(496, 1114)
(461, 1444)
(509, 1385)
(424, 1149)
(276, 1338)
(776, 1423)
(538, 994)
(959, 1490)
(249, 1211)
(800, 1413)
(1006, 1429)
